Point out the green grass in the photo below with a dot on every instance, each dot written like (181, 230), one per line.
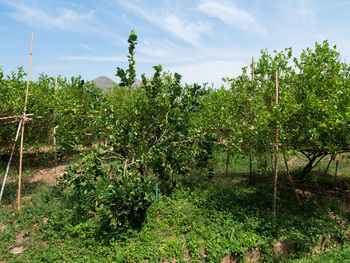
(204, 220)
(335, 255)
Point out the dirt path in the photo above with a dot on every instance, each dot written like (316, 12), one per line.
(48, 175)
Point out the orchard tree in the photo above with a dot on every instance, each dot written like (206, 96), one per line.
(314, 117)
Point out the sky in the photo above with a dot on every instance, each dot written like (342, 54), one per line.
(203, 40)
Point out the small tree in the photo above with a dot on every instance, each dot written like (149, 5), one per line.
(315, 116)
(129, 76)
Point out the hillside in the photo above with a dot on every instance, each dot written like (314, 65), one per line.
(103, 83)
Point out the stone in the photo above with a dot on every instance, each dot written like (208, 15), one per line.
(252, 255)
(18, 250)
(230, 258)
(284, 248)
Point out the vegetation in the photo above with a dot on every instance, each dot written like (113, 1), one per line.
(150, 184)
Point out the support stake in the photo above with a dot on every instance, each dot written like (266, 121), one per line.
(9, 163)
(22, 133)
(276, 160)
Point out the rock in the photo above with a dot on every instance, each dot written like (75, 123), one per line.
(21, 237)
(323, 242)
(230, 258)
(284, 248)
(18, 250)
(252, 255)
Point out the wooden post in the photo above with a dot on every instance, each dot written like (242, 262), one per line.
(11, 156)
(271, 161)
(22, 133)
(252, 71)
(290, 177)
(227, 159)
(250, 146)
(276, 160)
(335, 173)
(54, 138)
(15, 117)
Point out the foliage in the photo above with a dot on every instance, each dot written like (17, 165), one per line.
(73, 109)
(163, 131)
(152, 126)
(129, 76)
(78, 105)
(39, 103)
(203, 220)
(107, 194)
(313, 111)
(334, 255)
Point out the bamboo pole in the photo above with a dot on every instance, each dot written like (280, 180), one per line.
(271, 161)
(22, 133)
(11, 156)
(250, 146)
(252, 71)
(227, 159)
(16, 117)
(276, 160)
(290, 177)
(54, 139)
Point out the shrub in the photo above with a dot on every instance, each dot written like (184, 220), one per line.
(107, 195)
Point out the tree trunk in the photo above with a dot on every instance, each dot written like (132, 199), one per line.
(329, 163)
(312, 157)
(289, 175)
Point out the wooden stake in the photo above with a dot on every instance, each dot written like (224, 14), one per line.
(54, 139)
(11, 156)
(329, 163)
(276, 160)
(22, 133)
(227, 158)
(335, 173)
(250, 146)
(252, 71)
(271, 161)
(15, 117)
(290, 177)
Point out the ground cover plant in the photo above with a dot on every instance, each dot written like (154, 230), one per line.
(203, 220)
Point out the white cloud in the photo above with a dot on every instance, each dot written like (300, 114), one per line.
(46, 68)
(59, 18)
(160, 50)
(299, 10)
(93, 58)
(101, 58)
(231, 15)
(304, 9)
(187, 31)
(149, 49)
(207, 71)
(86, 47)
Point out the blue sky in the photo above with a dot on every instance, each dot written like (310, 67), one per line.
(203, 40)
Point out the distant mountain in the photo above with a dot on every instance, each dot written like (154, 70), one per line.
(103, 83)
(136, 84)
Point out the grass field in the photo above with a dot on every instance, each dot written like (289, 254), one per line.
(215, 218)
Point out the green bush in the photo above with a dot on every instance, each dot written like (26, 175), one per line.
(108, 197)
